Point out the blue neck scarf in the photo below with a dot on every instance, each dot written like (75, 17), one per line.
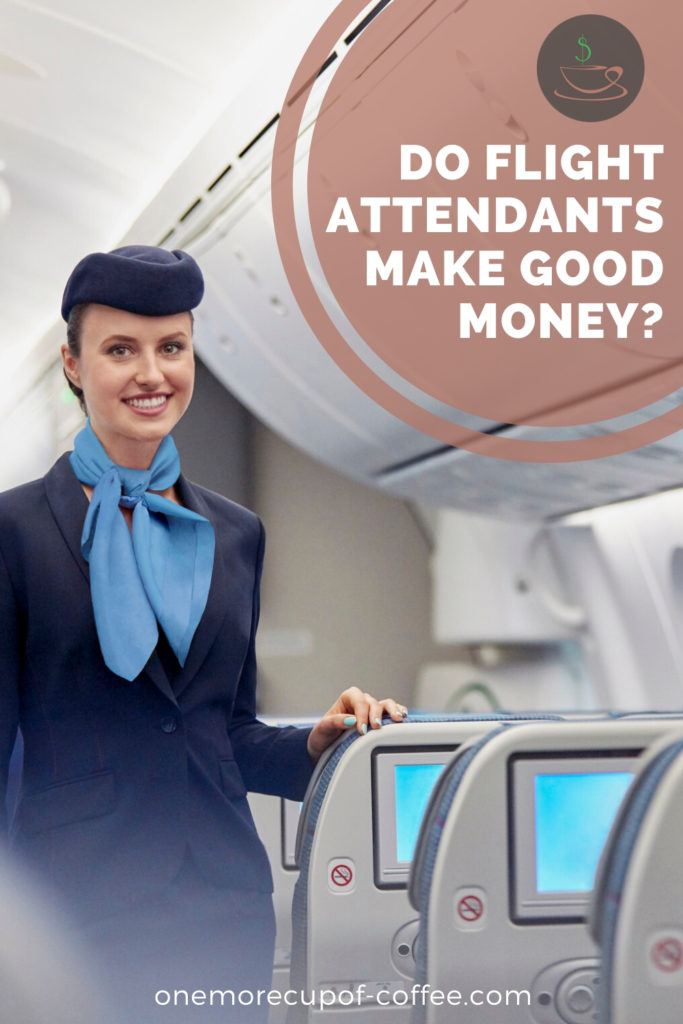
(160, 574)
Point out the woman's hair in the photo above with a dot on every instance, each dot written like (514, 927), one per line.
(74, 330)
(74, 327)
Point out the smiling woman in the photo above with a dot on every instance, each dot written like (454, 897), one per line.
(133, 368)
(137, 675)
(74, 332)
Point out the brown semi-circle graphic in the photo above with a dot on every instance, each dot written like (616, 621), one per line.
(432, 76)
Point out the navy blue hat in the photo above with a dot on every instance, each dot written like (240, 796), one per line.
(140, 278)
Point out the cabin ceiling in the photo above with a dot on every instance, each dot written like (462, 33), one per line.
(99, 103)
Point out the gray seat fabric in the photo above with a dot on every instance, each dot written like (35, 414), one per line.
(428, 848)
(305, 837)
(431, 832)
(614, 868)
(296, 1014)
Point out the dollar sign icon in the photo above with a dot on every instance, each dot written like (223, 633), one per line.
(584, 46)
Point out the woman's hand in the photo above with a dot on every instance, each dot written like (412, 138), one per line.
(352, 708)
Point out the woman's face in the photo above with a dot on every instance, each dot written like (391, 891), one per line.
(137, 376)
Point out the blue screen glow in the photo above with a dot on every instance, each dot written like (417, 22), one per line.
(574, 813)
(413, 784)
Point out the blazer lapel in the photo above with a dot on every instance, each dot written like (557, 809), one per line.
(69, 505)
(215, 610)
(156, 672)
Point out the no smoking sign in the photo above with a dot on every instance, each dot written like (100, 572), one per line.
(665, 957)
(470, 908)
(341, 875)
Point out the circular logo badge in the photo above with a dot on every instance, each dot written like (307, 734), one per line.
(590, 68)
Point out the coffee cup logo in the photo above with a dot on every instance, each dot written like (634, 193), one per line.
(580, 86)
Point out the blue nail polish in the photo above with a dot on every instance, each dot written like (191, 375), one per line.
(350, 720)
(364, 728)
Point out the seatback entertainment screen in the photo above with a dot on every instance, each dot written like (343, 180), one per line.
(562, 809)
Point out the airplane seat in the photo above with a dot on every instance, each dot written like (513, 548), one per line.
(671, 714)
(308, 834)
(430, 837)
(310, 812)
(637, 914)
(427, 847)
(504, 870)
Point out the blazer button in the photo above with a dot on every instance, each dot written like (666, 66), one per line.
(169, 724)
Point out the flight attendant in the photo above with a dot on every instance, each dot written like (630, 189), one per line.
(129, 601)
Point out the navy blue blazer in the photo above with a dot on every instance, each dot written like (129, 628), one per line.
(120, 777)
